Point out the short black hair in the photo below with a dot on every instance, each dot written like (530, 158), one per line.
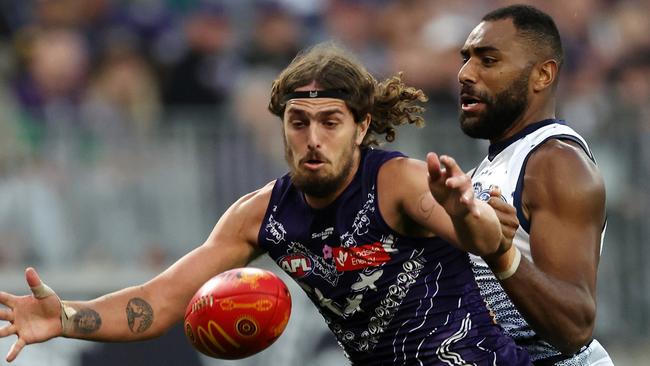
(537, 27)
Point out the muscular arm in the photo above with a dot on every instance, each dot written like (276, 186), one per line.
(408, 206)
(150, 309)
(564, 200)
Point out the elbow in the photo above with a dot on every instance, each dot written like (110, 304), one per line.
(162, 314)
(579, 334)
(161, 322)
(166, 318)
(573, 345)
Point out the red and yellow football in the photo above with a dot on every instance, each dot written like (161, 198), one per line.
(238, 313)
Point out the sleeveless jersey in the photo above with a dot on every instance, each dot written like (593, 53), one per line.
(389, 299)
(504, 167)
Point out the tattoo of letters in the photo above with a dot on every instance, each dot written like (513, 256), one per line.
(139, 315)
(86, 321)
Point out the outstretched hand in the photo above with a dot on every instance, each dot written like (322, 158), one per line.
(450, 186)
(33, 318)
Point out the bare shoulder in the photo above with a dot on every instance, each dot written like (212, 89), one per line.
(560, 171)
(404, 196)
(253, 205)
(402, 168)
(567, 160)
(256, 200)
(244, 217)
(401, 177)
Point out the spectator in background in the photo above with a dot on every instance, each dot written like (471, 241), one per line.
(123, 98)
(354, 24)
(275, 38)
(52, 82)
(204, 73)
(630, 90)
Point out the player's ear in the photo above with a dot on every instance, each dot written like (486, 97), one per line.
(362, 129)
(544, 74)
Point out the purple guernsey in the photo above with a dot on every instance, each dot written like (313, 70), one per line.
(389, 299)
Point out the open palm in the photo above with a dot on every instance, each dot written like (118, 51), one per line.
(33, 318)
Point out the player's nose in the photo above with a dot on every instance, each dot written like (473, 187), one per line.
(467, 73)
(313, 136)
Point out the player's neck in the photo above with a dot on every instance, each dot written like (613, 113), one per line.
(530, 116)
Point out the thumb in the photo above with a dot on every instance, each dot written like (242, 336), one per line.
(33, 280)
(434, 167)
(39, 289)
(495, 191)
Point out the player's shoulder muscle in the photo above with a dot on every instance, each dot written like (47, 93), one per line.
(244, 217)
(405, 200)
(256, 202)
(399, 178)
(403, 173)
(561, 171)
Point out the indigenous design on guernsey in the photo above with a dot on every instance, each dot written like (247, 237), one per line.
(504, 167)
(389, 299)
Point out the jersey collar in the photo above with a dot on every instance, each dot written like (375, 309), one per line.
(497, 147)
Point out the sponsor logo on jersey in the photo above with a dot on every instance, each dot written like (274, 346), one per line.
(324, 234)
(484, 194)
(297, 265)
(364, 256)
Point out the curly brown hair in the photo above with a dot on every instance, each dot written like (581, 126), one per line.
(390, 103)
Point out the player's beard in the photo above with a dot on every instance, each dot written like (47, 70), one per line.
(315, 184)
(501, 111)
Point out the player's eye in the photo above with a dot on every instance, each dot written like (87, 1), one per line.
(488, 60)
(297, 123)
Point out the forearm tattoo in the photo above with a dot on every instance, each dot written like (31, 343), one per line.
(139, 315)
(86, 321)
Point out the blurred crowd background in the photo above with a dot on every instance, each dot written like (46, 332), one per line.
(128, 127)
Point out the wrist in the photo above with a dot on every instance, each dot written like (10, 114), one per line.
(67, 318)
(506, 264)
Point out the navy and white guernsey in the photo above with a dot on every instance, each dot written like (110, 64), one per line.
(389, 299)
(504, 167)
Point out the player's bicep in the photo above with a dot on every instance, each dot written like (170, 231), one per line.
(237, 229)
(427, 212)
(564, 248)
(231, 244)
(564, 195)
(416, 202)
